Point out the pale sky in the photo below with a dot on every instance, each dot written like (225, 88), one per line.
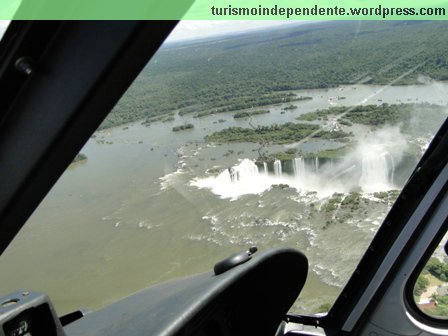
(187, 30)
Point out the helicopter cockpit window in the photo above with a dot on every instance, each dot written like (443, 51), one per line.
(298, 135)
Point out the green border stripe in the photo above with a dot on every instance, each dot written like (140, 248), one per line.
(223, 9)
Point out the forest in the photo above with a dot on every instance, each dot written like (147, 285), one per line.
(373, 115)
(276, 134)
(247, 114)
(255, 69)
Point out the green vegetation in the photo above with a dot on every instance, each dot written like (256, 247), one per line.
(345, 122)
(381, 194)
(182, 127)
(333, 203)
(352, 201)
(215, 170)
(79, 157)
(277, 134)
(245, 103)
(253, 69)
(291, 107)
(373, 115)
(310, 116)
(168, 119)
(346, 205)
(435, 273)
(320, 114)
(340, 208)
(287, 155)
(376, 115)
(247, 114)
(421, 285)
(438, 269)
(408, 115)
(162, 118)
(390, 114)
(441, 310)
(331, 153)
(332, 135)
(249, 102)
(203, 114)
(291, 154)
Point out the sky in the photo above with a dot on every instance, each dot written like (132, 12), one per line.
(188, 30)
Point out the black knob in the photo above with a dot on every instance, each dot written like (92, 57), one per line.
(253, 249)
(234, 260)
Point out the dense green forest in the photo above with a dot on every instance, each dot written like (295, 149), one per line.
(277, 134)
(374, 115)
(250, 69)
(247, 114)
(438, 269)
(285, 133)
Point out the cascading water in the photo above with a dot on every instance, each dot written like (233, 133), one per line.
(246, 169)
(392, 169)
(375, 170)
(239, 180)
(278, 168)
(369, 170)
(298, 165)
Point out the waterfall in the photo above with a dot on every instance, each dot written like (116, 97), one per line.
(277, 168)
(298, 166)
(241, 179)
(392, 169)
(370, 168)
(295, 166)
(245, 169)
(374, 169)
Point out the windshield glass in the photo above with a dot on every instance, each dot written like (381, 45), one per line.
(297, 135)
(3, 25)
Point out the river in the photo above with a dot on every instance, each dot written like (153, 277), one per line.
(138, 212)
